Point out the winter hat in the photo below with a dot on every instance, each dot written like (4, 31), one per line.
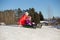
(26, 13)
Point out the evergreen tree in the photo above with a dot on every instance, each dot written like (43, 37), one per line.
(19, 12)
(41, 16)
(53, 18)
(36, 18)
(31, 13)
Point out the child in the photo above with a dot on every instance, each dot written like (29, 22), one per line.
(21, 21)
(28, 21)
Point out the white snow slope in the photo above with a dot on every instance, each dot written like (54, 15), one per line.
(20, 33)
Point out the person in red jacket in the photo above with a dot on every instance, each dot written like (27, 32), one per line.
(22, 20)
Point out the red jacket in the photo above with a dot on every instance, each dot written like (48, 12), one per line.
(21, 21)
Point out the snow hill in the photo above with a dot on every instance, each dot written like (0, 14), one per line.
(12, 32)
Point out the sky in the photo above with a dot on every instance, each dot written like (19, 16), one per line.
(49, 8)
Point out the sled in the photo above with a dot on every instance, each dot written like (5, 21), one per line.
(34, 26)
(28, 26)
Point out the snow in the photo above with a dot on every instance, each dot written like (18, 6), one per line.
(12, 32)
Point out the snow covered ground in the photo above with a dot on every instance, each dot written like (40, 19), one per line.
(19, 33)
